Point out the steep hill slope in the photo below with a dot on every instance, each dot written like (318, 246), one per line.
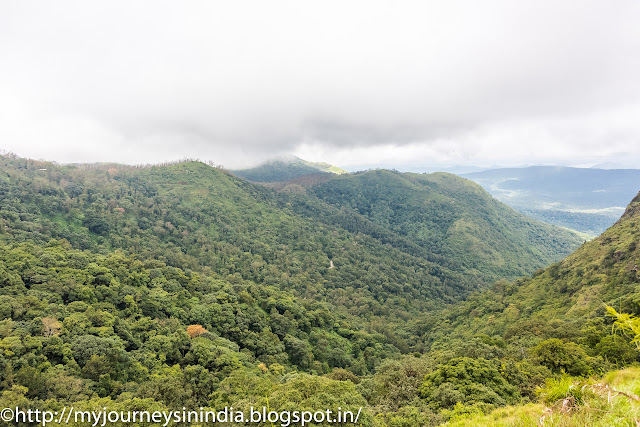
(453, 217)
(560, 307)
(555, 324)
(602, 271)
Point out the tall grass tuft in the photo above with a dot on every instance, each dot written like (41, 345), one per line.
(564, 388)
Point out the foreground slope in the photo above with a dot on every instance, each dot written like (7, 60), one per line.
(610, 401)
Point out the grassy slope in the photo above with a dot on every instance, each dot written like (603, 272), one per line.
(600, 408)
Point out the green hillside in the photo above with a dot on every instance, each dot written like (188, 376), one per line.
(453, 217)
(551, 335)
(182, 285)
(570, 292)
(192, 215)
(286, 169)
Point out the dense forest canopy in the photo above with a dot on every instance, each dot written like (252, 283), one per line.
(182, 285)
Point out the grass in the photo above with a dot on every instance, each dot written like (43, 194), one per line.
(609, 401)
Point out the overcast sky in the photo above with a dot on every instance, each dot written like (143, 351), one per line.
(358, 84)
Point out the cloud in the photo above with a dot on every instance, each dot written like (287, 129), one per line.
(237, 82)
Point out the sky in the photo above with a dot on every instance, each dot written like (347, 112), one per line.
(359, 84)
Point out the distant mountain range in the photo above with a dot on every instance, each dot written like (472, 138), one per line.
(588, 200)
(584, 199)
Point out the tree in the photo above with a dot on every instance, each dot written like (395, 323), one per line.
(628, 324)
(465, 380)
(558, 356)
(195, 330)
(51, 327)
(397, 382)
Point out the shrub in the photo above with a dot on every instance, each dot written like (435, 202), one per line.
(467, 381)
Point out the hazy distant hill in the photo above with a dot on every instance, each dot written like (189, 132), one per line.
(584, 199)
(286, 169)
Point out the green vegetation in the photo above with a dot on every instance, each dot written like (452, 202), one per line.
(609, 401)
(550, 326)
(467, 381)
(453, 217)
(566, 299)
(628, 324)
(181, 285)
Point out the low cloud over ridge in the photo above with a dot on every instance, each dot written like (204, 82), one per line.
(357, 84)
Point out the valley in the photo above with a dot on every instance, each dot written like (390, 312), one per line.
(182, 285)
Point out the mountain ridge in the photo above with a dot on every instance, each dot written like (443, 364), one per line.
(407, 204)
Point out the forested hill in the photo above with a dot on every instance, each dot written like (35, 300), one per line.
(182, 285)
(546, 333)
(571, 292)
(453, 217)
(192, 215)
(447, 238)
